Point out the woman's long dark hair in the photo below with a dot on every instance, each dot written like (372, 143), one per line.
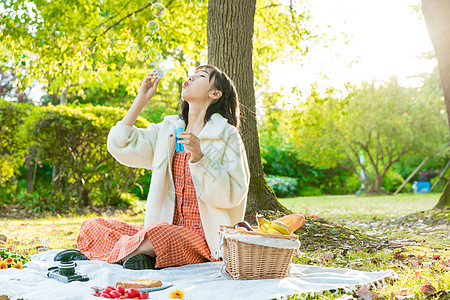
(227, 105)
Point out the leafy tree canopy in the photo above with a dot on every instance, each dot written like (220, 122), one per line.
(72, 46)
(385, 123)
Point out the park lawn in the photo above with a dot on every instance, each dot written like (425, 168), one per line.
(30, 236)
(339, 208)
(424, 255)
(425, 262)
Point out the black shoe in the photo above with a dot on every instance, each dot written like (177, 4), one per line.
(140, 262)
(70, 254)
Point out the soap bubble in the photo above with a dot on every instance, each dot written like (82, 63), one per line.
(141, 55)
(164, 68)
(197, 2)
(155, 56)
(133, 47)
(148, 40)
(158, 10)
(162, 71)
(153, 26)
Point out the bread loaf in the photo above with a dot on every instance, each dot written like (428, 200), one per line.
(140, 284)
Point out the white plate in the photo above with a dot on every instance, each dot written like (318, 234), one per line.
(164, 285)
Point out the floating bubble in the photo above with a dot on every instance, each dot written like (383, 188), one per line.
(162, 72)
(164, 68)
(155, 56)
(197, 2)
(141, 55)
(153, 26)
(148, 40)
(133, 47)
(158, 10)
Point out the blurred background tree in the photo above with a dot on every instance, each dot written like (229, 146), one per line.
(385, 122)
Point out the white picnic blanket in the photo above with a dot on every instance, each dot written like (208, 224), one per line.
(199, 281)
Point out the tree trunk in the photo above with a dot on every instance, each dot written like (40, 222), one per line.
(30, 172)
(443, 202)
(84, 194)
(230, 48)
(437, 18)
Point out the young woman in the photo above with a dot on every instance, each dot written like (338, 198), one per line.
(191, 192)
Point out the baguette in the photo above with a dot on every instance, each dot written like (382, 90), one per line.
(140, 284)
(293, 222)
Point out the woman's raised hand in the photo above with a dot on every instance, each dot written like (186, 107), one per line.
(191, 144)
(148, 86)
(146, 92)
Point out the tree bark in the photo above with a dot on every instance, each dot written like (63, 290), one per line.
(229, 32)
(30, 172)
(437, 18)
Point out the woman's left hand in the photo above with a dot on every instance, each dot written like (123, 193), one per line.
(191, 144)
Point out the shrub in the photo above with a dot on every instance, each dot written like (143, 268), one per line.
(282, 186)
(310, 191)
(13, 144)
(73, 141)
(392, 180)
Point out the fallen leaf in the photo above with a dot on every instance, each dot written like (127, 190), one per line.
(418, 275)
(401, 292)
(428, 289)
(399, 255)
(375, 260)
(365, 294)
(445, 265)
(327, 256)
(422, 256)
(414, 263)
(406, 296)
(436, 256)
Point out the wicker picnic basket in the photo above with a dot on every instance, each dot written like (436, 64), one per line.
(244, 260)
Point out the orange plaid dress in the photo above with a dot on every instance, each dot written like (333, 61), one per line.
(180, 243)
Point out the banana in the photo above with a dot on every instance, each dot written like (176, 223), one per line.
(273, 231)
(274, 227)
(281, 227)
(263, 224)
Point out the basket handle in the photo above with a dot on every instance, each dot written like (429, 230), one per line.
(222, 242)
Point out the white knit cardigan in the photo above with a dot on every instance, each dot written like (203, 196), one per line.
(221, 177)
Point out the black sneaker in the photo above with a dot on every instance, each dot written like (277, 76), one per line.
(140, 262)
(70, 254)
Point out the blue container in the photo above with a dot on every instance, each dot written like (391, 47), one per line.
(179, 147)
(423, 187)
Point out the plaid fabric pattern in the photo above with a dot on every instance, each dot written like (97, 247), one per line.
(180, 243)
(186, 208)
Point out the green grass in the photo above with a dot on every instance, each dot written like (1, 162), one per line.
(337, 208)
(29, 236)
(361, 213)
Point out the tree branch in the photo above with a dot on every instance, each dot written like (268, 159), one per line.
(391, 162)
(353, 168)
(355, 152)
(118, 22)
(291, 9)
